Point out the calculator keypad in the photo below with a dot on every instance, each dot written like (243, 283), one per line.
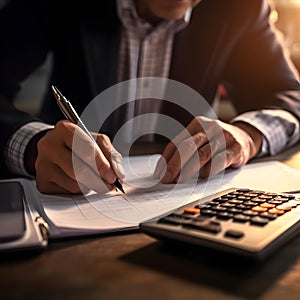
(256, 208)
(247, 222)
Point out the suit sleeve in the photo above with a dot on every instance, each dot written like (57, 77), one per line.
(25, 42)
(259, 72)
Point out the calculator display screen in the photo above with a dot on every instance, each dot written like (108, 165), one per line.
(12, 220)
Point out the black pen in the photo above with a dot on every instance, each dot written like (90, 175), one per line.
(70, 113)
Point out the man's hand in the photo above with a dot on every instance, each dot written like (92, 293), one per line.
(64, 165)
(207, 147)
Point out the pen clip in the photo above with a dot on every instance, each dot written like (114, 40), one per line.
(69, 112)
(64, 105)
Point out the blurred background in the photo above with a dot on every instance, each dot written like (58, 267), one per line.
(285, 17)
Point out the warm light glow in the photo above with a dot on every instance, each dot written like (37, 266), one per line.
(274, 16)
(287, 3)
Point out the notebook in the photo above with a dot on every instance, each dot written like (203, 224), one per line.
(46, 217)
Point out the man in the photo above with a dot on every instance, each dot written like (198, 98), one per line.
(199, 43)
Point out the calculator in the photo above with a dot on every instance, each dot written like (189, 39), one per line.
(246, 222)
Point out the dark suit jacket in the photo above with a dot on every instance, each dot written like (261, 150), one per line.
(226, 41)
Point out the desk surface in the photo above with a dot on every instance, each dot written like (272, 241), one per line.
(135, 266)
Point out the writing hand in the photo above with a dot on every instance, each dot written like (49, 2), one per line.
(193, 150)
(64, 165)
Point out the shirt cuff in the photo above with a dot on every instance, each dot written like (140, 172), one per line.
(17, 144)
(280, 128)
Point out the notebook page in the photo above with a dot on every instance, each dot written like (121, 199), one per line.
(146, 198)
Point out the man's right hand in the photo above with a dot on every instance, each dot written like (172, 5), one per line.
(64, 165)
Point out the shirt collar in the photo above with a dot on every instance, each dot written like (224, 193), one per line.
(128, 5)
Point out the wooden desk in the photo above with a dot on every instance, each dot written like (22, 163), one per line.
(135, 266)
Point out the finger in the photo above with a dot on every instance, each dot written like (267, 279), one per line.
(205, 155)
(203, 129)
(182, 155)
(167, 155)
(171, 148)
(91, 154)
(116, 162)
(111, 154)
(210, 127)
(164, 158)
(233, 156)
(85, 176)
(221, 161)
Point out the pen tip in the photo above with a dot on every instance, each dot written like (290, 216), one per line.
(119, 186)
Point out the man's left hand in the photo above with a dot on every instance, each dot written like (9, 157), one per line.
(207, 147)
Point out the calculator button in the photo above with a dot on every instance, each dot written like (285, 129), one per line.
(228, 205)
(228, 196)
(258, 192)
(212, 227)
(220, 200)
(251, 195)
(202, 206)
(191, 210)
(218, 208)
(200, 218)
(271, 194)
(235, 201)
(283, 199)
(276, 202)
(244, 198)
(243, 207)
(224, 215)
(259, 209)
(235, 210)
(259, 221)
(276, 211)
(266, 197)
(244, 190)
(207, 212)
(284, 207)
(267, 205)
(171, 220)
(268, 216)
(250, 213)
(257, 200)
(236, 234)
(235, 193)
(241, 218)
